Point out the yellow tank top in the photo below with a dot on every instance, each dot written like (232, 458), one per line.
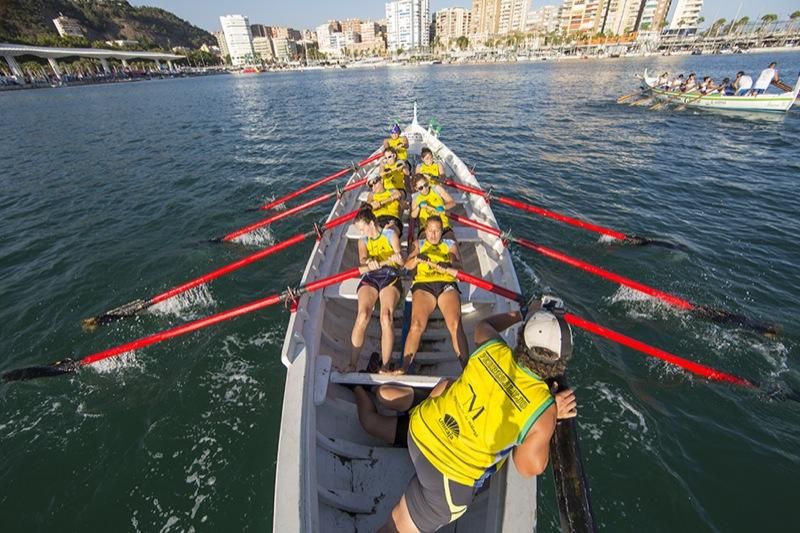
(391, 209)
(437, 253)
(399, 147)
(395, 179)
(434, 200)
(430, 170)
(468, 431)
(380, 248)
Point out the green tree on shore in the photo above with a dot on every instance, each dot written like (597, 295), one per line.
(462, 42)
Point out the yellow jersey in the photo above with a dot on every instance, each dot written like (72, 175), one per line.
(468, 431)
(394, 177)
(380, 248)
(435, 201)
(391, 209)
(399, 147)
(437, 253)
(432, 171)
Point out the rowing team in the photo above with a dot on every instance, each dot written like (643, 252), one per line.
(742, 85)
(461, 432)
(434, 255)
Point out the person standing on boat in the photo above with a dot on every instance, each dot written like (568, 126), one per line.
(393, 172)
(742, 84)
(379, 259)
(433, 171)
(767, 77)
(397, 142)
(436, 261)
(385, 204)
(431, 200)
(467, 428)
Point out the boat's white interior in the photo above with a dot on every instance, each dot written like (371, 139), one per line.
(331, 475)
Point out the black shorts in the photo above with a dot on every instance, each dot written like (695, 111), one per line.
(380, 279)
(447, 233)
(433, 500)
(383, 220)
(437, 288)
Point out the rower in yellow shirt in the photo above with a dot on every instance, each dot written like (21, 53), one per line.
(434, 171)
(385, 204)
(397, 142)
(431, 200)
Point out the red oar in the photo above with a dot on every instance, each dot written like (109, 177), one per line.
(627, 239)
(289, 212)
(716, 315)
(137, 306)
(319, 183)
(690, 366)
(69, 365)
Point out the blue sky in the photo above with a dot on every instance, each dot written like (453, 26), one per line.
(302, 14)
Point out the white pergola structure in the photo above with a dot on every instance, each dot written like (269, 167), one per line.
(11, 51)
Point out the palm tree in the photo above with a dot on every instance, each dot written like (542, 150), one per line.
(462, 42)
(700, 20)
(769, 18)
(716, 26)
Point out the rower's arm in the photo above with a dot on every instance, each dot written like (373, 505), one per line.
(455, 258)
(363, 255)
(449, 203)
(531, 456)
(490, 328)
(441, 171)
(415, 207)
(411, 262)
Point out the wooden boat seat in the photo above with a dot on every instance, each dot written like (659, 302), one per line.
(463, 234)
(470, 295)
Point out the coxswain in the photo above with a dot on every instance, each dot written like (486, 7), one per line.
(385, 204)
(433, 171)
(467, 428)
(431, 200)
(379, 259)
(397, 142)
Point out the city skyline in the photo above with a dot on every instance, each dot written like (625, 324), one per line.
(307, 14)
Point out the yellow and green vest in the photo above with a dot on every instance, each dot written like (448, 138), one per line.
(380, 248)
(432, 171)
(391, 209)
(399, 147)
(468, 432)
(434, 200)
(437, 253)
(395, 179)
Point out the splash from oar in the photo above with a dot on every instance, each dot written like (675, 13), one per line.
(68, 366)
(715, 315)
(572, 221)
(137, 306)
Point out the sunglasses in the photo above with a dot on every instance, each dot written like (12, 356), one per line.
(423, 187)
(373, 182)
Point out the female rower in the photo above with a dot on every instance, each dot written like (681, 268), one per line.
(436, 260)
(385, 204)
(393, 172)
(431, 200)
(379, 258)
(434, 171)
(398, 143)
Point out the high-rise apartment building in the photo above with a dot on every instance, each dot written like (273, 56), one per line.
(513, 15)
(543, 20)
(263, 48)
(498, 17)
(370, 31)
(581, 16)
(653, 15)
(686, 14)
(619, 16)
(222, 43)
(238, 38)
(408, 24)
(451, 23)
(259, 30)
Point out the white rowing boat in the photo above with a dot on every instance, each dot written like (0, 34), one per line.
(772, 103)
(331, 475)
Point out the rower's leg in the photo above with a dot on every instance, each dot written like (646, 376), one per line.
(400, 520)
(367, 296)
(380, 426)
(422, 305)
(450, 304)
(389, 297)
(395, 397)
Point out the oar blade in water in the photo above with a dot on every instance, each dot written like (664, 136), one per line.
(59, 368)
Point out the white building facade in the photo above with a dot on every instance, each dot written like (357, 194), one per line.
(408, 24)
(238, 38)
(686, 14)
(68, 27)
(543, 19)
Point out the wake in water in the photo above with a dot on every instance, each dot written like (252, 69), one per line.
(639, 305)
(115, 364)
(187, 304)
(259, 237)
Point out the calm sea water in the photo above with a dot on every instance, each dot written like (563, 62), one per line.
(108, 193)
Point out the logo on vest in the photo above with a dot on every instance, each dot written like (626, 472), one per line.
(450, 427)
